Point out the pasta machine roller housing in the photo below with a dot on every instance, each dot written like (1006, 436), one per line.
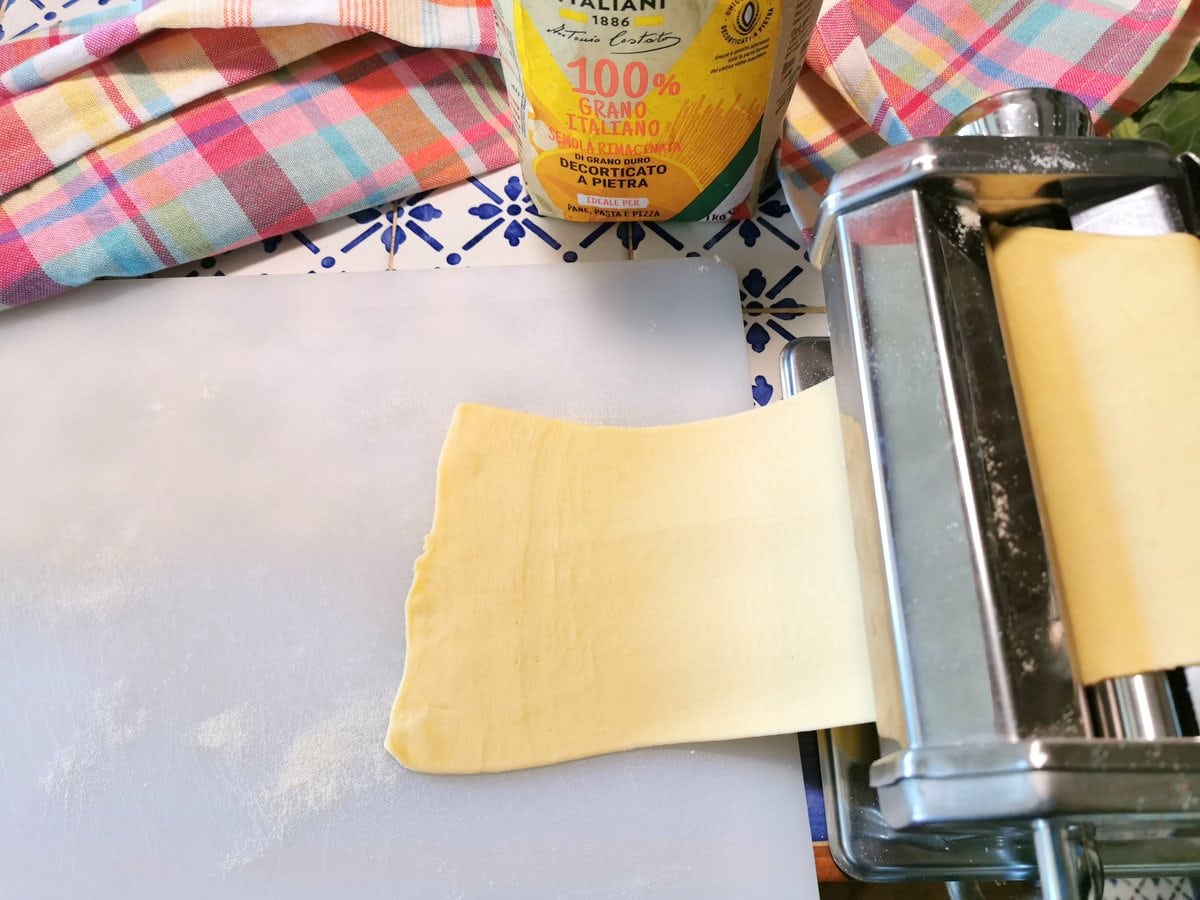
(991, 761)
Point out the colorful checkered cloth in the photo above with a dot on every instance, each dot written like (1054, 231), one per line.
(881, 72)
(162, 132)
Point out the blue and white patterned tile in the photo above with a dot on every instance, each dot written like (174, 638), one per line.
(491, 221)
(19, 18)
(770, 230)
(22, 18)
(777, 281)
(776, 309)
(484, 221)
(356, 243)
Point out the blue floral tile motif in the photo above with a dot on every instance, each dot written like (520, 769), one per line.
(754, 291)
(618, 230)
(333, 246)
(393, 227)
(771, 209)
(43, 13)
(814, 794)
(768, 220)
(762, 390)
(416, 214)
(633, 233)
(511, 213)
(327, 262)
(757, 337)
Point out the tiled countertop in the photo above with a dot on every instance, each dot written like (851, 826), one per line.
(489, 221)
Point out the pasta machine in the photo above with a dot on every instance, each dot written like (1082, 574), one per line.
(990, 761)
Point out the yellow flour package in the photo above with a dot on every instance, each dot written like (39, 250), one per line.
(649, 109)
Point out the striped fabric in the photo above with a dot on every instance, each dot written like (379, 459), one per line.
(160, 132)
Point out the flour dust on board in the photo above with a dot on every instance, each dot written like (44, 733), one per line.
(650, 109)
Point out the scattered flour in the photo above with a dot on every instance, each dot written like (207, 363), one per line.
(969, 216)
(81, 577)
(81, 769)
(1000, 512)
(1054, 159)
(73, 774)
(339, 758)
(225, 733)
(999, 493)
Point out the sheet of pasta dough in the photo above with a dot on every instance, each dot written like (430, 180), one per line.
(1103, 334)
(589, 589)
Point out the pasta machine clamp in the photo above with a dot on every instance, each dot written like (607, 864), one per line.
(989, 760)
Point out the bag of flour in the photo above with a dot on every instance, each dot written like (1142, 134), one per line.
(649, 109)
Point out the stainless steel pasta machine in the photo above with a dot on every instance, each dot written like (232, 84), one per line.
(989, 760)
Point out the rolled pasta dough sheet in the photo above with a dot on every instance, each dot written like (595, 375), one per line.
(589, 589)
(1103, 335)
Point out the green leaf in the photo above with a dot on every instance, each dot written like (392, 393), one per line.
(1127, 128)
(1190, 73)
(1173, 118)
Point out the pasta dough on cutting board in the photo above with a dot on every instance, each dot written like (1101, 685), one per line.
(591, 589)
(1103, 334)
(588, 589)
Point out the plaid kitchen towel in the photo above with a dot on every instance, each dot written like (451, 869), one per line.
(129, 143)
(139, 137)
(881, 72)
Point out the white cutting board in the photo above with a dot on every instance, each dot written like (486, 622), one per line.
(211, 496)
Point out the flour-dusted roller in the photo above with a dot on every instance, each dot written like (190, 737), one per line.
(990, 759)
